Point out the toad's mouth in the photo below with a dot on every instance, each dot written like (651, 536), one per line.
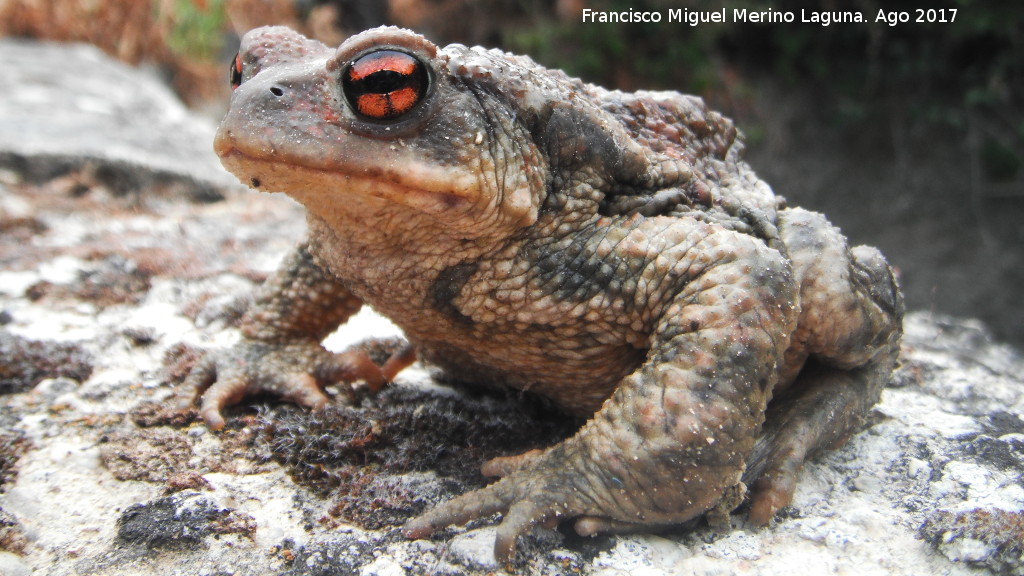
(329, 188)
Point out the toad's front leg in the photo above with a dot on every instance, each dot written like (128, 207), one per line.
(676, 433)
(280, 351)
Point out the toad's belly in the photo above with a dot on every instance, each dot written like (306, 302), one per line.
(576, 378)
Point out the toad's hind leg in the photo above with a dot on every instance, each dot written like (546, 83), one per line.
(841, 355)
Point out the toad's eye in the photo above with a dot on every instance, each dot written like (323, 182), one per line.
(235, 72)
(385, 84)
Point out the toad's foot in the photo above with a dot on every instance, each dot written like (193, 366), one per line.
(599, 491)
(543, 492)
(828, 406)
(295, 371)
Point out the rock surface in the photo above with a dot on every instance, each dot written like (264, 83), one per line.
(129, 276)
(70, 106)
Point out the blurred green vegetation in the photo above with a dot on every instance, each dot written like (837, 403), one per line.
(197, 30)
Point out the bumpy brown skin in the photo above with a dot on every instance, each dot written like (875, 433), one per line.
(608, 250)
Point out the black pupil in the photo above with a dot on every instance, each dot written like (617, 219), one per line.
(383, 82)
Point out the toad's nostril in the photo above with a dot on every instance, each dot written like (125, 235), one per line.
(277, 91)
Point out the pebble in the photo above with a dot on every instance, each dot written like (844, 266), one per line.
(12, 565)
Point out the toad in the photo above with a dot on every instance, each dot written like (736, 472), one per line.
(608, 250)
